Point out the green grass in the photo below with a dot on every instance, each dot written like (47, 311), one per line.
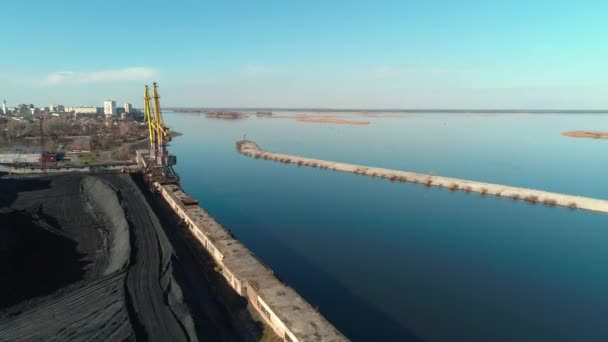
(88, 157)
(268, 335)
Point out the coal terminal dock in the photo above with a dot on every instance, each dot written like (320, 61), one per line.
(115, 262)
(289, 315)
(251, 149)
(280, 307)
(127, 255)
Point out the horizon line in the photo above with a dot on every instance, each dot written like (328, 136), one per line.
(400, 110)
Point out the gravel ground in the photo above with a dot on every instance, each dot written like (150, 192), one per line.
(118, 276)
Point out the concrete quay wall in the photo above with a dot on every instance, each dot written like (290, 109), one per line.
(286, 312)
(250, 148)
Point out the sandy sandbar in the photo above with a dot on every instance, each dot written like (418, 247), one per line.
(586, 134)
(332, 121)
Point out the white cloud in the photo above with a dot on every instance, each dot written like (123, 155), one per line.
(76, 77)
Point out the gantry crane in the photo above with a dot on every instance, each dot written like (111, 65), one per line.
(159, 168)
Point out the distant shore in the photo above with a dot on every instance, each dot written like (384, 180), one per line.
(586, 134)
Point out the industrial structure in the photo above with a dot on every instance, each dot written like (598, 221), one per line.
(287, 313)
(159, 169)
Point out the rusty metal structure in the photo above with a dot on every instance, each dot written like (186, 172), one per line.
(159, 167)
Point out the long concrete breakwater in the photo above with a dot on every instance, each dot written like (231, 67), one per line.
(250, 148)
(289, 315)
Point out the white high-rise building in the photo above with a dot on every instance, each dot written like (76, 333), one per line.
(56, 108)
(127, 108)
(4, 107)
(109, 108)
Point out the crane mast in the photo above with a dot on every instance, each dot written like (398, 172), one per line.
(162, 132)
(149, 120)
(159, 168)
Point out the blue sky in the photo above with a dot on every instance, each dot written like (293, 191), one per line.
(339, 54)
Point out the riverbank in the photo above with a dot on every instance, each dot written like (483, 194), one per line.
(250, 148)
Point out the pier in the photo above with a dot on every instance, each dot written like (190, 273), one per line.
(289, 315)
(250, 148)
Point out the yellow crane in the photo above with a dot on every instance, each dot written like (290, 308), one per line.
(149, 119)
(159, 169)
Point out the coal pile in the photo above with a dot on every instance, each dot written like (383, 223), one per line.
(85, 258)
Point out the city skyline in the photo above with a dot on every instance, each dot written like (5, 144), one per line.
(52, 106)
(314, 55)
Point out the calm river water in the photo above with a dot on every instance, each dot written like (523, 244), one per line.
(400, 262)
